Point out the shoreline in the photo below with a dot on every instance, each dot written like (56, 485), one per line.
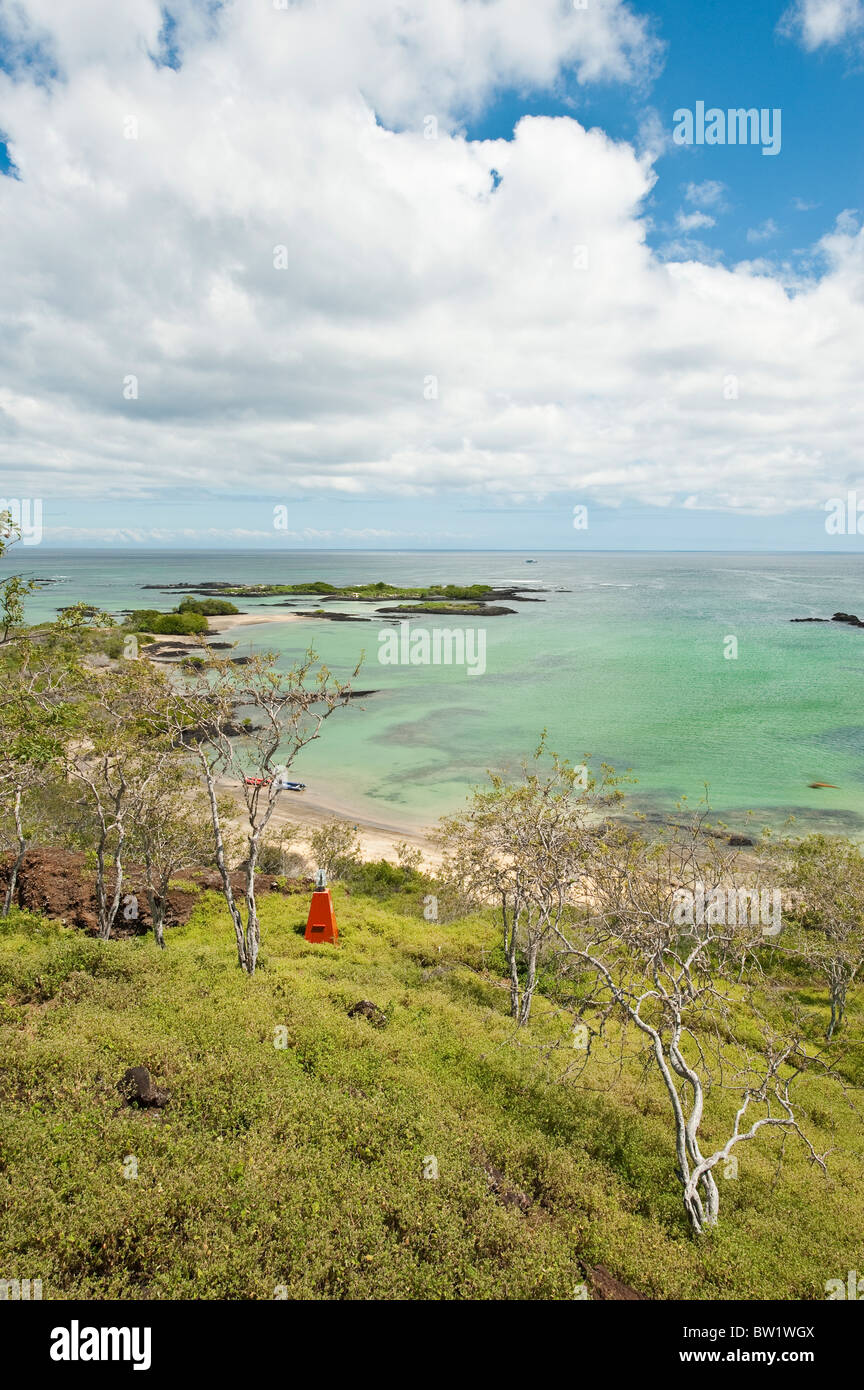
(229, 621)
(378, 838)
(216, 626)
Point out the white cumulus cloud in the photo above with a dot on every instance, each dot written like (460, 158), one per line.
(265, 268)
(823, 23)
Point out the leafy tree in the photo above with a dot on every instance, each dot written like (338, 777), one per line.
(32, 734)
(409, 856)
(335, 845)
(9, 532)
(13, 590)
(209, 607)
(186, 624)
(275, 854)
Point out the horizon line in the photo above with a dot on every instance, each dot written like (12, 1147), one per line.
(432, 550)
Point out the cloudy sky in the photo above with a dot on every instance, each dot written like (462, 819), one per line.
(429, 273)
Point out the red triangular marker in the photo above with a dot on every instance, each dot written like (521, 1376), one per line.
(321, 925)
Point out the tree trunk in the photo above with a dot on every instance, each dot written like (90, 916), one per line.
(530, 983)
(157, 912)
(156, 902)
(157, 916)
(701, 1213)
(19, 858)
(510, 934)
(253, 929)
(838, 1007)
(514, 978)
(114, 907)
(227, 892)
(101, 895)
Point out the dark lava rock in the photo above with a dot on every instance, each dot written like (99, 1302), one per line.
(606, 1287)
(364, 1008)
(165, 651)
(137, 1088)
(57, 883)
(333, 617)
(507, 1196)
(437, 972)
(848, 618)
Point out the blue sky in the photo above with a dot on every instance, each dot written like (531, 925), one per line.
(730, 54)
(149, 256)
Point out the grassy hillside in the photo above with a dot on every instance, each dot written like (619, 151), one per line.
(302, 1166)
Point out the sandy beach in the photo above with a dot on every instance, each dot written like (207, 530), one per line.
(378, 838)
(220, 625)
(229, 621)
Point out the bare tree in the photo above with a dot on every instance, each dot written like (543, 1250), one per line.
(285, 712)
(526, 846)
(827, 878)
(672, 945)
(169, 832)
(122, 741)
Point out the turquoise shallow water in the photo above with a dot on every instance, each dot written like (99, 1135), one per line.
(626, 664)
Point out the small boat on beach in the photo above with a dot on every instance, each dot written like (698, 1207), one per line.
(281, 784)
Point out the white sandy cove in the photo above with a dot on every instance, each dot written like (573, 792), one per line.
(224, 624)
(228, 621)
(378, 840)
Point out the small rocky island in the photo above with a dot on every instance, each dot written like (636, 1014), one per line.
(848, 618)
(446, 600)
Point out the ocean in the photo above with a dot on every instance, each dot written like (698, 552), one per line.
(628, 659)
